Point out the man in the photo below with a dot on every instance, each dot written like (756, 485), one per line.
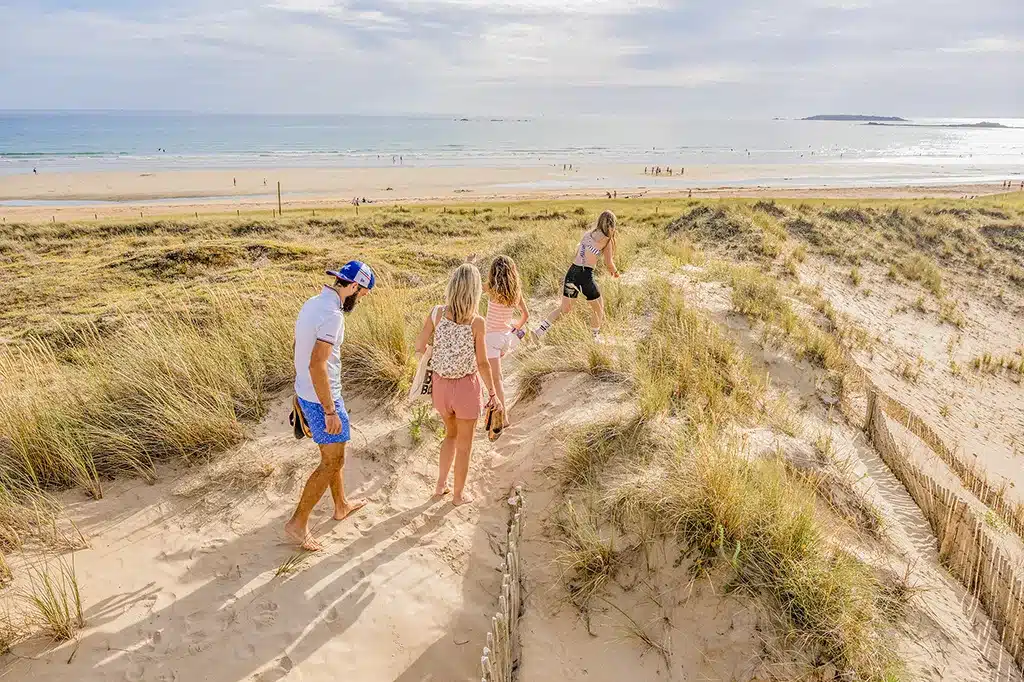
(319, 333)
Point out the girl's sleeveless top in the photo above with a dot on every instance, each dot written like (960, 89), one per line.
(499, 317)
(454, 350)
(587, 244)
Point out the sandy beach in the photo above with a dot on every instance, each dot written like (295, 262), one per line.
(106, 195)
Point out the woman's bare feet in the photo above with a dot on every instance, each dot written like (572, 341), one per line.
(342, 513)
(301, 537)
(460, 500)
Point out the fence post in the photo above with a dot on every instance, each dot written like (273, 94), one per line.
(278, 197)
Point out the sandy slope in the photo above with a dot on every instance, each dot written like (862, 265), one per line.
(946, 635)
(177, 589)
(981, 414)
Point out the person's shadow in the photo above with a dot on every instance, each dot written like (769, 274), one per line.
(323, 600)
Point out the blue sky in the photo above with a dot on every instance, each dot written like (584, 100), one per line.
(737, 58)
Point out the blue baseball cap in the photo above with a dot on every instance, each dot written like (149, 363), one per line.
(355, 271)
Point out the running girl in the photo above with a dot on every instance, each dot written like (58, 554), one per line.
(598, 241)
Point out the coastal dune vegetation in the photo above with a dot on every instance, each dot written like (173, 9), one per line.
(129, 344)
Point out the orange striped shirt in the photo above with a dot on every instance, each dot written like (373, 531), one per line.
(499, 317)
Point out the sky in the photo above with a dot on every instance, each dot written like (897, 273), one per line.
(693, 58)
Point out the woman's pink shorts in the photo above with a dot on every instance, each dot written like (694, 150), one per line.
(460, 397)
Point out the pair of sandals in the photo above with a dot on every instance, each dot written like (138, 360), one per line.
(495, 423)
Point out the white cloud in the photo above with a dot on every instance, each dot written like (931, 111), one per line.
(538, 56)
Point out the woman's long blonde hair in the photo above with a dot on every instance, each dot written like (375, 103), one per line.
(606, 226)
(503, 281)
(462, 296)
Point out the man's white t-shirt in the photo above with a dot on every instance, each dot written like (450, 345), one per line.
(320, 319)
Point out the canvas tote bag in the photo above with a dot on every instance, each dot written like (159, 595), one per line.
(422, 383)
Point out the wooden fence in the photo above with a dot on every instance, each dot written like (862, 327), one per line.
(968, 547)
(970, 474)
(500, 659)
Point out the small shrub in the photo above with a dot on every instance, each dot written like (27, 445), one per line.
(949, 312)
(919, 268)
(424, 417)
(855, 277)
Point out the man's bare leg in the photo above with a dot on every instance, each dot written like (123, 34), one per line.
(342, 507)
(447, 455)
(332, 456)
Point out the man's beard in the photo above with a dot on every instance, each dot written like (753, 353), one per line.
(349, 303)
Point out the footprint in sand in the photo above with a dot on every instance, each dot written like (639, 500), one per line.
(208, 547)
(246, 653)
(155, 638)
(267, 614)
(136, 674)
(331, 616)
(198, 646)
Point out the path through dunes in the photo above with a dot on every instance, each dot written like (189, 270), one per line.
(185, 588)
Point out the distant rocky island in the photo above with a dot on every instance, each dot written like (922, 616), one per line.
(856, 117)
(982, 124)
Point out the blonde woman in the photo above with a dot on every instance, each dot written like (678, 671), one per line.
(459, 362)
(597, 241)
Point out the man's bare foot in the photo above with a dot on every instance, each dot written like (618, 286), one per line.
(464, 499)
(301, 537)
(340, 514)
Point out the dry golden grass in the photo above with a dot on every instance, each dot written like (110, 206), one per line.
(6, 574)
(10, 633)
(751, 517)
(54, 595)
(177, 333)
(686, 366)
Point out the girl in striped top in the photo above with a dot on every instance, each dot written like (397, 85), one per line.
(504, 298)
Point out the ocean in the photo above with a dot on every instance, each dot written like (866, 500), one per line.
(929, 151)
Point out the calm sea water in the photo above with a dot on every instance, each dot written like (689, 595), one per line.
(156, 141)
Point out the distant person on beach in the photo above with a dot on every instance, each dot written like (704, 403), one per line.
(35, 172)
(234, 181)
(459, 362)
(504, 297)
(597, 241)
(319, 333)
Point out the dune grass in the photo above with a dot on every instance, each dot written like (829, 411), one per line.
(165, 351)
(686, 366)
(54, 594)
(670, 470)
(9, 632)
(164, 387)
(726, 512)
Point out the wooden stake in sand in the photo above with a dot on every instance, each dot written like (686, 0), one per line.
(279, 197)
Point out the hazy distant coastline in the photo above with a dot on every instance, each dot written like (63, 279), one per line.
(860, 118)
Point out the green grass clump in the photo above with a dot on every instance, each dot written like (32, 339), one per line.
(56, 599)
(165, 387)
(686, 366)
(377, 354)
(918, 267)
